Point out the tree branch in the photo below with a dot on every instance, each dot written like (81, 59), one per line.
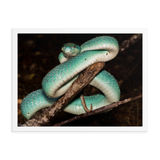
(43, 116)
(99, 110)
(130, 41)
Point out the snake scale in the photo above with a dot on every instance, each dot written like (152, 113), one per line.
(74, 59)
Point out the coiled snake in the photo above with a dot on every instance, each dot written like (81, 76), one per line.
(75, 59)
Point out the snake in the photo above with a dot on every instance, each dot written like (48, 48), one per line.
(73, 60)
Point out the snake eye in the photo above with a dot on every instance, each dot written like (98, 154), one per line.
(63, 48)
(73, 47)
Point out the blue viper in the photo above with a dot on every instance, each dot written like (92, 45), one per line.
(75, 59)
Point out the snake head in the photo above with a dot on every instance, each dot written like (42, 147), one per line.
(70, 50)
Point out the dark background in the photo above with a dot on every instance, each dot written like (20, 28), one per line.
(38, 54)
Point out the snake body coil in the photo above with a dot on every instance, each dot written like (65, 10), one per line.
(59, 79)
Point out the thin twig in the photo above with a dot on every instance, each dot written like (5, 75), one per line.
(99, 110)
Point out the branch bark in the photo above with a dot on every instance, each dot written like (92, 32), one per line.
(42, 117)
